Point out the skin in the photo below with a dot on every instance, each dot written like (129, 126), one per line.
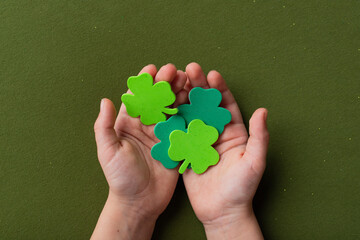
(140, 188)
(222, 196)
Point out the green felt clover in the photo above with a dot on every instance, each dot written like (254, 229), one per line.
(204, 105)
(194, 146)
(162, 131)
(148, 101)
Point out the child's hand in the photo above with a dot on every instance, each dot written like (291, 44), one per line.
(222, 196)
(140, 187)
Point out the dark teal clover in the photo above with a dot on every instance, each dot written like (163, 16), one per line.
(162, 131)
(204, 105)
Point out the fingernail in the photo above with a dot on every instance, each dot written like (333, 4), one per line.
(102, 104)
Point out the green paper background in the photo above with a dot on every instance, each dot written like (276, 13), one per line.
(299, 59)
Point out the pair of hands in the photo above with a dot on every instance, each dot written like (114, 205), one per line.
(140, 187)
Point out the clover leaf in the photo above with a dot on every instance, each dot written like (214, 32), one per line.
(194, 146)
(204, 105)
(162, 131)
(148, 101)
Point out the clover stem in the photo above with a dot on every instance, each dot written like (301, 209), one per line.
(170, 111)
(183, 166)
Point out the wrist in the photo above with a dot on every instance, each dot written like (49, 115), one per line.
(237, 223)
(132, 208)
(123, 220)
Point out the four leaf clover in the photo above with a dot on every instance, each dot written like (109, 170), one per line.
(148, 100)
(194, 146)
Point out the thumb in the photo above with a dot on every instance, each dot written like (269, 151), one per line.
(257, 144)
(105, 134)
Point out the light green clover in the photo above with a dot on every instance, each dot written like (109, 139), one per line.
(148, 101)
(194, 146)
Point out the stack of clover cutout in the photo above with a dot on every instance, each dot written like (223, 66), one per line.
(186, 137)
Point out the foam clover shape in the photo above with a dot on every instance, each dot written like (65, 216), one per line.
(194, 147)
(148, 100)
(204, 105)
(162, 131)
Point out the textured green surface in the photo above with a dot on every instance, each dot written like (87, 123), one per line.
(300, 59)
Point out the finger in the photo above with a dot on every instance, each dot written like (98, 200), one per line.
(179, 82)
(181, 98)
(196, 75)
(257, 144)
(215, 80)
(166, 73)
(188, 85)
(151, 69)
(105, 134)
